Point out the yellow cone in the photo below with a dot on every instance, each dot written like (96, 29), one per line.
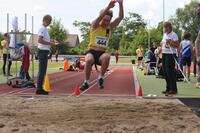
(142, 72)
(47, 84)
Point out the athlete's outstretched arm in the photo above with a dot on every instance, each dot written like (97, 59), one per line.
(96, 22)
(116, 22)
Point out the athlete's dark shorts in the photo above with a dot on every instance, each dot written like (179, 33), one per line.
(186, 61)
(140, 58)
(97, 55)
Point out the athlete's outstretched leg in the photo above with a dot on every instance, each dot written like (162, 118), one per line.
(104, 61)
(89, 60)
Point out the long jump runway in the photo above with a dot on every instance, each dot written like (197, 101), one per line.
(119, 81)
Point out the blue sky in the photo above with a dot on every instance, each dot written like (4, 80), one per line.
(81, 10)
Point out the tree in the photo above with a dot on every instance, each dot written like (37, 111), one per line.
(123, 42)
(80, 49)
(58, 32)
(1, 36)
(84, 27)
(115, 38)
(187, 19)
(127, 29)
(160, 26)
(155, 36)
(132, 24)
(141, 38)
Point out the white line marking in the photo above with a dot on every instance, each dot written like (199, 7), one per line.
(11, 92)
(101, 95)
(24, 90)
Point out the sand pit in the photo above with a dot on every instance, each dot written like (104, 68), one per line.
(95, 114)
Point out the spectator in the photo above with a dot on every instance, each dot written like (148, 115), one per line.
(56, 55)
(153, 48)
(170, 43)
(116, 56)
(140, 54)
(158, 54)
(6, 55)
(186, 54)
(44, 44)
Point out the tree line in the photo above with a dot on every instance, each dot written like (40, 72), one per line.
(131, 33)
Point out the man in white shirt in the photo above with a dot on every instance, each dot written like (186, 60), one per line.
(44, 44)
(170, 43)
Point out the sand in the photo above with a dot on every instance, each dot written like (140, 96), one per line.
(95, 115)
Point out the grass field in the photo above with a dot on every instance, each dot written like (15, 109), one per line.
(152, 85)
(123, 60)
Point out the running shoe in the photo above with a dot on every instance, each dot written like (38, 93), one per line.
(100, 83)
(84, 86)
(171, 94)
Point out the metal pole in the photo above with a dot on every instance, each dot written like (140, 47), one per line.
(163, 15)
(25, 26)
(25, 22)
(149, 34)
(7, 22)
(149, 38)
(7, 59)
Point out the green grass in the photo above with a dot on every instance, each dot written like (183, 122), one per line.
(52, 67)
(126, 59)
(153, 85)
(123, 61)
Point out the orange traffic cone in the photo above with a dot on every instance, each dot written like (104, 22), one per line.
(140, 91)
(47, 84)
(76, 90)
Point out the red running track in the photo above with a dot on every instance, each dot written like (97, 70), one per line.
(119, 81)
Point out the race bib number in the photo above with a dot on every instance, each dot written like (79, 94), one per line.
(101, 41)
